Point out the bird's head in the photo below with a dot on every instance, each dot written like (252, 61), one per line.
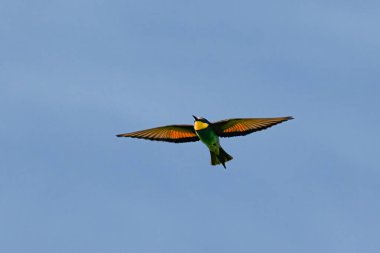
(200, 123)
(201, 119)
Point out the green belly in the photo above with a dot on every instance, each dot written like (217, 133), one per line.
(209, 137)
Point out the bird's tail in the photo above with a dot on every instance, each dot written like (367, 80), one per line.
(222, 158)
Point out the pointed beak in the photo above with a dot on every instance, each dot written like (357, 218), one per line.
(195, 117)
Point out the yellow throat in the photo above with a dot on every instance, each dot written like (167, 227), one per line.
(199, 125)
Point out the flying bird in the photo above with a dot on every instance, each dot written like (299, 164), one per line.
(208, 133)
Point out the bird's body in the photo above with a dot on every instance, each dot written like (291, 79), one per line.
(208, 136)
(208, 133)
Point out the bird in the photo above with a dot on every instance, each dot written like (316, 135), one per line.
(208, 133)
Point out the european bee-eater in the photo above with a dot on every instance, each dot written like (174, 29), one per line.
(208, 133)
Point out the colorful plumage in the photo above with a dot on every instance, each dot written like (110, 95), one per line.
(208, 133)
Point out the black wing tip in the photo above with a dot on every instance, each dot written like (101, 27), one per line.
(119, 135)
(289, 117)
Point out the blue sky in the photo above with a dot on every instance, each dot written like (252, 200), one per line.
(75, 73)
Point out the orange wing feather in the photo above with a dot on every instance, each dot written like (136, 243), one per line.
(244, 126)
(172, 133)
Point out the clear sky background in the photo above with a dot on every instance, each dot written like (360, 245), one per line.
(75, 73)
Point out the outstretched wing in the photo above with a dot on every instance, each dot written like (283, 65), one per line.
(240, 127)
(172, 133)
